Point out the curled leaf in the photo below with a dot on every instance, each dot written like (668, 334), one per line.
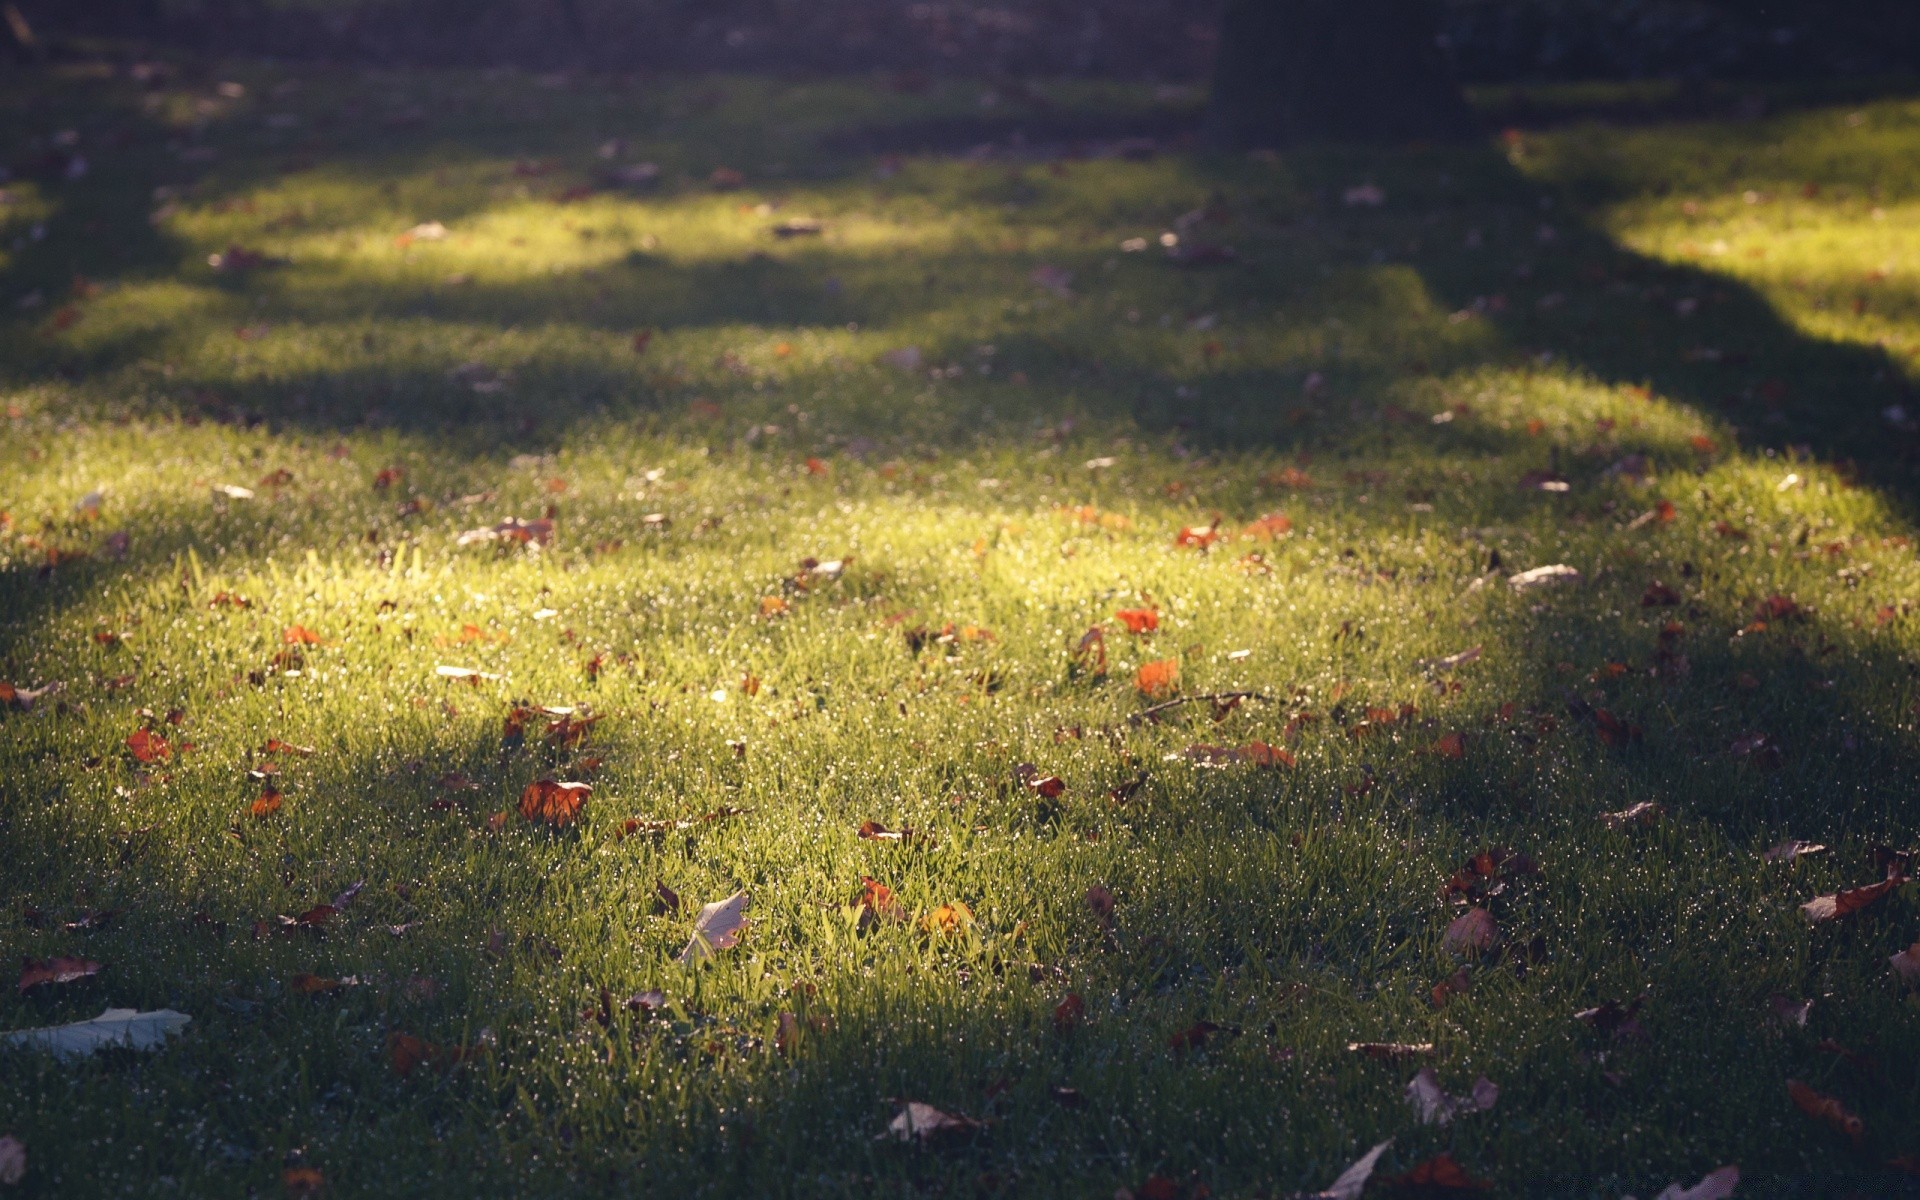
(1826, 1109)
(554, 803)
(717, 928)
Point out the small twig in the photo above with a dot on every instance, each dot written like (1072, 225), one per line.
(1149, 714)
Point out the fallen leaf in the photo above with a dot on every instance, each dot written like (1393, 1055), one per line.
(1448, 663)
(303, 1183)
(1471, 932)
(1068, 1014)
(1789, 1011)
(1100, 900)
(1390, 1051)
(1826, 1109)
(923, 1124)
(1715, 1185)
(267, 805)
(1434, 1107)
(1352, 1181)
(1198, 536)
(1850, 900)
(513, 529)
(114, 1027)
(1540, 577)
(948, 918)
(1451, 745)
(555, 803)
(300, 635)
(1139, 620)
(1644, 813)
(13, 1161)
(879, 899)
(148, 746)
(1907, 964)
(1789, 850)
(37, 973)
(1270, 527)
(1613, 1018)
(1157, 678)
(1658, 595)
(717, 928)
(1438, 1175)
(1049, 786)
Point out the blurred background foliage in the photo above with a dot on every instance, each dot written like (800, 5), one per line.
(1491, 41)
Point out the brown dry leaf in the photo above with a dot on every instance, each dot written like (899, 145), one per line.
(300, 635)
(1100, 900)
(1851, 900)
(1827, 1109)
(557, 804)
(1068, 1014)
(1471, 932)
(303, 1183)
(37, 973)
(267, 805)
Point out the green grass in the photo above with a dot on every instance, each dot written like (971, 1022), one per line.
(1386, 377)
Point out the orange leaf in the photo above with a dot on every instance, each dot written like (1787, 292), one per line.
(1451, 745)
(1197, 536)
(267, 805)
(879, 897)
(948, 918)
(303, 1183)
(1139, 620)
(1270, 527)
(300, 635)
(1157, 678)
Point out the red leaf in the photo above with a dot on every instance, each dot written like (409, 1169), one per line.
(148, 746)
(1451, 745)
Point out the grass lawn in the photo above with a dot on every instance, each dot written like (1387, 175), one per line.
(868, 463)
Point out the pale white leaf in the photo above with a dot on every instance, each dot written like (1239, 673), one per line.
(717, 928)
(114, 1027)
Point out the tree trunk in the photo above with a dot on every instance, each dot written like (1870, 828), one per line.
(1294, 71)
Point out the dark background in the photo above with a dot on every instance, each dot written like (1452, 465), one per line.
(1489, 41)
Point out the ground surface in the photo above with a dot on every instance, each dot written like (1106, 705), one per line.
(832, 515)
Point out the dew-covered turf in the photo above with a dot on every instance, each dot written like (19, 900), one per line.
(831, 513)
